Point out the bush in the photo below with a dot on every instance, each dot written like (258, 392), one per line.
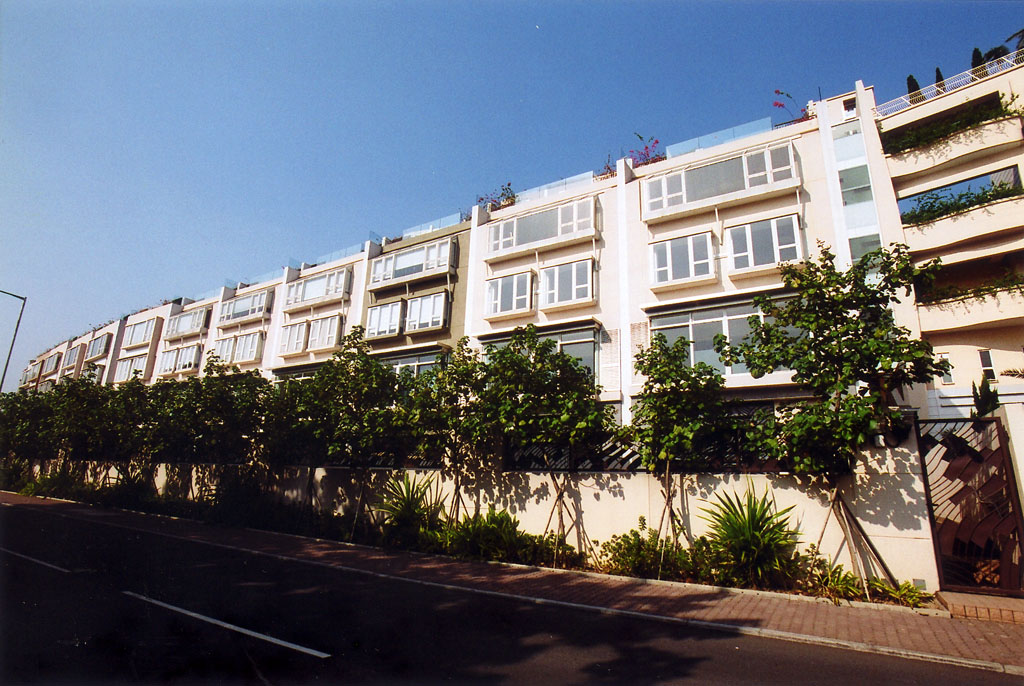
(639, 552)
(413, 510)
(906, 593)
(827, 580)
(757, 539)
(15, 474)
(932, 206)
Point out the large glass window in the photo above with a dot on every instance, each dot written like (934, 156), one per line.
(426, 258)
(318, 287)
(765, 242)
(127, 367)
(248, 348)
(855, 184)
(98, 346)
(540, 226)
(384, 320)
(567, 283)
(509, 294)
(293, 338)
(245, 306)
(139, 333)
(168, 360)
(323, 332)
(579, 344)
(738, 173)
(682, 258)
(701, 326)
(72, 357)
(186, 323)
(224, 348)
(417, 364)
(50, 364)
(427, 312)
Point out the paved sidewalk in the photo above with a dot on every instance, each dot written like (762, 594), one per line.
(888, 630)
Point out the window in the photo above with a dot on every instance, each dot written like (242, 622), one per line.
(189, 357)
(98, 346)
(245, 306)
(293, 338)
(384, 320)
(987, 370)
(947, 378)
(422, 259)
(224, 348)
(417, 364)
(323, 332)
(139, 333)
(765, 242)
(168, 360)
(855, 185)
(186, 323)
(738, 173)
(701, 326)
(540, 226)
(319, 287)
(72, 357)
(427, 312)
(248, 348)
(682, 258)
(579, 344)
(567, 283)
(849, 108)
(127, 367)
(50, 364)
(509, 294)
(100, 371)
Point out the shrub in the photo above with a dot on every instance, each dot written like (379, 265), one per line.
(640, 552)
(906, 593)
(827, 580)
(932, 206)
(757, 538)
(494, 536)
(15, 474)
(410, 508)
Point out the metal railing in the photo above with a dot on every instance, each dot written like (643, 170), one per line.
(973, 75)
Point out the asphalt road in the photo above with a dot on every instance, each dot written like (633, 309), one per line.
(87, 603)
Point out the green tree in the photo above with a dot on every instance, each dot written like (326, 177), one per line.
(540, 398)
(448, 418)
(681, 421)
(986, 398)
(914, 90)
(358, 410)
(838, 335)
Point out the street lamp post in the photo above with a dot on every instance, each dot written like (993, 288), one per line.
(23, 299)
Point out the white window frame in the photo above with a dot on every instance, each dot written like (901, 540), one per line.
(437, 257)
(570, 218)
(417, 363)
(50, 363)
(245, 306)
(224, 349)
(747, 253)
(337, 284)
(293, 338)
(664, 273)
(168, 361)
(384, 320)
(582, 289)
(522, 293)
(704, 316)
(138, 333)
(189, 357)
(186, 323)
(94, 345)
(248, 347)
(988, 369)
(426, 312)
(72, 357)
(668, 191)
(947, 378)
(127, 366)
(324, 332)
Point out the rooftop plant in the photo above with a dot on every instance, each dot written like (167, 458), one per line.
(781, 104)
(495, 200)
(902, 140)
(649, 154)
(932, 206)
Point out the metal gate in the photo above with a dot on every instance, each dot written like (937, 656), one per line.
(974, 505)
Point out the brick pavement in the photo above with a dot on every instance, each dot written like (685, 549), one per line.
(883, 629)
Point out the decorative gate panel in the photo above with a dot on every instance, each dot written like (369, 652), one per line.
(974, 504)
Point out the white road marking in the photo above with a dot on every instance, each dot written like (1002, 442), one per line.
(231, 627)
(38, 562)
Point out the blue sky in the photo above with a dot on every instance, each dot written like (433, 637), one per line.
(153, 150)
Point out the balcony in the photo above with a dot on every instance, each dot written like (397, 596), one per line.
(960, 148)
(999, 309)
(422, 261)
(187, 324)
(245, 309)
(323, 289)
(979, 222)
(553, 227)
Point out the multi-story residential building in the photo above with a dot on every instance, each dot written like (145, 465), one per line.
(185, 338)
(415, 303)
(137, 354)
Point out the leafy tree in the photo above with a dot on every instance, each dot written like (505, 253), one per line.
(1019, 37)
(995, 53)
(538, 397)
(986, 398)
(682, 419)
(448, 418)
(26, 418)
(838, 335)
(358, 411)
(233, 406)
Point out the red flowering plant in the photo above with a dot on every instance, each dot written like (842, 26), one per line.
(503, 197)
(781, 104)
(648, 154)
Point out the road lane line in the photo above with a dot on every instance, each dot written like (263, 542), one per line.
(38, 562)
(231, 627)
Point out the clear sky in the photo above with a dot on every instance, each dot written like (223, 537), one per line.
(150, 150)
